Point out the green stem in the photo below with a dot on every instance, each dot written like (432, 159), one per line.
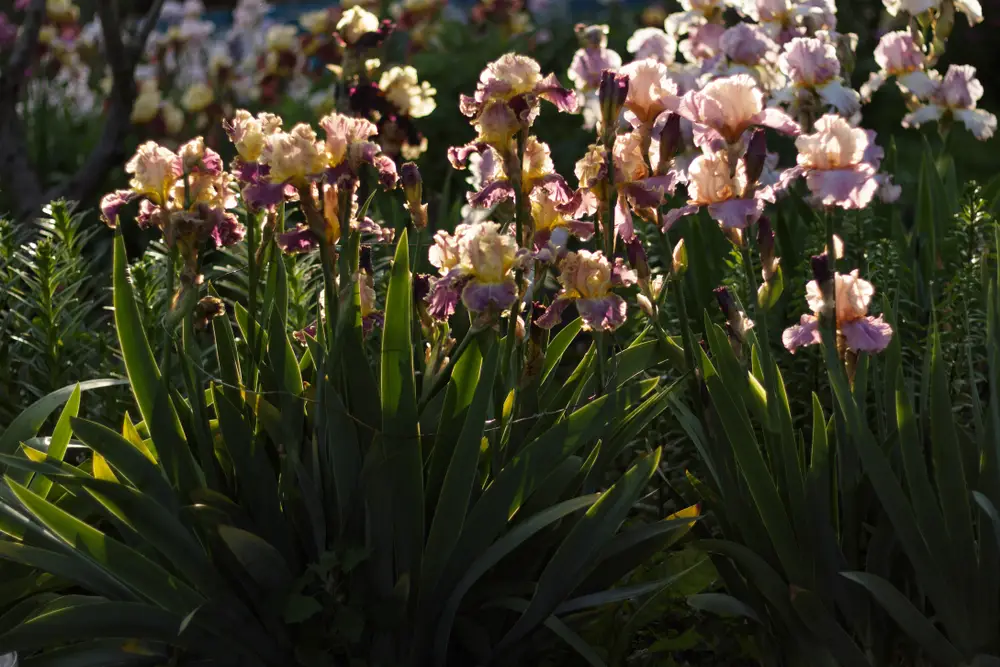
(167, 319)
(680, 303)
(831, 253)
(442, 378)
(252, 222)
(602, 371)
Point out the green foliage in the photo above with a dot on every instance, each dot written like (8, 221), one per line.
(56, 329)
(284, 508)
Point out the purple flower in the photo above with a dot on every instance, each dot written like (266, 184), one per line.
(587, 279)
(839, 162)
(746, 44)
(731, 198)
(726, 108)
(111, 205)
(861, 332)
(956, 96)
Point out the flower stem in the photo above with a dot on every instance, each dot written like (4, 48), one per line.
(440, 379)
(602, 372)
(680, 303)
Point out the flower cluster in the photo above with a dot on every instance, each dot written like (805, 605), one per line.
(187, 195)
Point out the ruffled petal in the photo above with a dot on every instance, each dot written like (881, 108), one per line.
(844, 188)
(459, 155)
(553, 314)
(676, 214)
(262, 194)
(778, 120)
(875, 81)
(550, 89)
(845, 100)
(737, 213)
(492, 194)
(918, 83)
(805, 333)
(623, 220)
(444, 295)
(581, 229)
(649, 192)
(605, 314)
(386, 168)
(226, 228)
(111, 205)
(980, 122)
(297, 241)
(868, 334)
(479, 296)
(925, 114)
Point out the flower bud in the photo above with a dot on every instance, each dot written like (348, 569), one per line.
(612, 93)
(637, 258)
(409, 174)
(646, 305)
(670, 141)
(822, 267)
(765, 244)
(680, 259)
(725, 300)
(755, 157)
(413, 189)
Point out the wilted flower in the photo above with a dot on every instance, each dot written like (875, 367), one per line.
(955, 97)
(587, 279)
(726, 108)
(476, 264)
(839, 162)
(859, 331)
(738, 325)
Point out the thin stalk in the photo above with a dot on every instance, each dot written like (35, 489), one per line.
(251, 221)
(760, 324)
(602, 371)
(832, 261)
(167, 341)
(680, 303)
